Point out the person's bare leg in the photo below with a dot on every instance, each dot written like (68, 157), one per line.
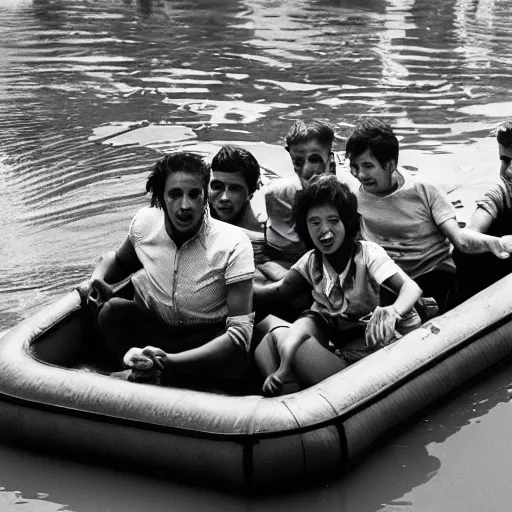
(314, 363)
(266, 354)
(311, 362)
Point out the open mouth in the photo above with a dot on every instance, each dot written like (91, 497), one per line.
(184, 219)
(327, 239)
(367, 183)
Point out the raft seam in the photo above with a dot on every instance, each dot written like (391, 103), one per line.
(339, 425)
(300, 437)
(332, 406)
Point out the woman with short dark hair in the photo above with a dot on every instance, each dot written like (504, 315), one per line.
(192, 277)
(344, 275)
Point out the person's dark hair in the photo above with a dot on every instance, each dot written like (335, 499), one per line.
(304, 132)
(188, 163)
(375, 135)
(233, 159)
(326, 190)
(504, 134)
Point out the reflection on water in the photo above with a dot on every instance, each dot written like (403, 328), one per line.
(74, 73)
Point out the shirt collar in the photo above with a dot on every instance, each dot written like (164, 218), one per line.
(202, 233)
(331, 276)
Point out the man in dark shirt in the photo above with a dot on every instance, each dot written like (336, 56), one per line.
(494, 217)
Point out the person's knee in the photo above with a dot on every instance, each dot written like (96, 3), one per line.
(278, 337)
(314, 363)
(111, 314)
(266, 355)
(265, 348)
(265, 326)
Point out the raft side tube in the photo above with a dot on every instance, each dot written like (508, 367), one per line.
(173, 456)
(365, 427)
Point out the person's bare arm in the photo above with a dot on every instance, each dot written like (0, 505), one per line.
(292, 285)
(408, 292)
(381, 327)
(472, 242)
(272, 270)
(112, 267)
(220, 355)
(481, 221)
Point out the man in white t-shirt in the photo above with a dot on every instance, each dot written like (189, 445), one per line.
(409, 217)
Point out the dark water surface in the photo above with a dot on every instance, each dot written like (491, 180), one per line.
(72, 72)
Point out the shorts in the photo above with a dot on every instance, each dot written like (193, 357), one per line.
(331, 333)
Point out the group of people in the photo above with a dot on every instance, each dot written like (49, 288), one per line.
(340, 272)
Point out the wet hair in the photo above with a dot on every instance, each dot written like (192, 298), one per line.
(233, 159)
(304, 132)
(188, 163)
(374, 135)
(326, 190)
(504, 134)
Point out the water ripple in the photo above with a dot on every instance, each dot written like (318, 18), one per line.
(74, 72)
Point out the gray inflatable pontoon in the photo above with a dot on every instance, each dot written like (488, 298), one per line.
(242, 441)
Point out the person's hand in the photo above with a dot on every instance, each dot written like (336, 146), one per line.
(145, 359)
(274, 383)
(99, 292)
(157, 355)
(503, 247)
(138, 361)
(145, 364)
(381, 326)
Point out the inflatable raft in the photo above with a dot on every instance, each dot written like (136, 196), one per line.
(248, 442)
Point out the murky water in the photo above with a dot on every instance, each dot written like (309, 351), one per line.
(74, 72)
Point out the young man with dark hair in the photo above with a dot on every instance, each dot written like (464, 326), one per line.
(235, 178)
(411, 218)
(494, 217)
(494, 210)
